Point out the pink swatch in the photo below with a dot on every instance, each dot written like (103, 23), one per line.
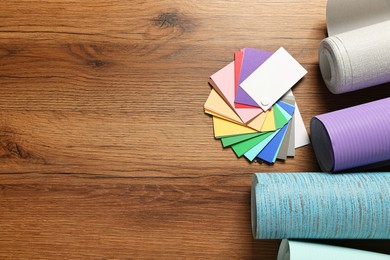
(224, 80)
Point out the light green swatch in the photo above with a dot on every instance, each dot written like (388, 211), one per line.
(243, 147)
(230, 140)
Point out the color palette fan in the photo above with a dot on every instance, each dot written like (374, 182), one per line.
(253, 108)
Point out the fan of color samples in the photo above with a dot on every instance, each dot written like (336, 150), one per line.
(254, 111)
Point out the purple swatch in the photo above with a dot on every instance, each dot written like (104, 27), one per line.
(252, 59)
(353, 137)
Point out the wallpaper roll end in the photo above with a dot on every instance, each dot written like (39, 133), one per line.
(284, 250)
(305, 250)
(322, 145)
(254, 206)
(353, 138)
(356, 59)
(334, 65)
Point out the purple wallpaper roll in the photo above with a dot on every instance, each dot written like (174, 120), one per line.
(353, 137)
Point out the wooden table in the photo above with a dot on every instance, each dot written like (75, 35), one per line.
(105, 149)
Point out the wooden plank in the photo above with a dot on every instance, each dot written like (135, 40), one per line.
(105, 151)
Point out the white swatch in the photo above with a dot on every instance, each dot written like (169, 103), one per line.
(301, 136)
(269, 82)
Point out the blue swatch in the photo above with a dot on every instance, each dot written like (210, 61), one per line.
(270, 152)
(286, 115)
(287, 107)
(252, 153)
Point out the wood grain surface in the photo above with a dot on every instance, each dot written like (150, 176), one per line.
(105, 151)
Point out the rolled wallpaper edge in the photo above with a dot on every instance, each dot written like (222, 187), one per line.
(356, 53)
(315, 205)
(303, 250)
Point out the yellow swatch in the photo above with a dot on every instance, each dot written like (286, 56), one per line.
(220, 116)
(257, 122)
(269, 123)
(226, 128)
(216, 106)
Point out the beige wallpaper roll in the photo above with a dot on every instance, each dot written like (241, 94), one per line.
(356, 54)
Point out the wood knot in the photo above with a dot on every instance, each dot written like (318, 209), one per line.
(96, 63)
(168, 25)
(12, 147)
(168, 19)
(9, 149)
(4, 52)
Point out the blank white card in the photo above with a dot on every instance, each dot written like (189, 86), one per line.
(269, 82)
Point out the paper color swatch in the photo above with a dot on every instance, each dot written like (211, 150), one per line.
(251, 60)
(224, 85)
(216, 106)
(225, 128)
(266, 85)
(257, 134)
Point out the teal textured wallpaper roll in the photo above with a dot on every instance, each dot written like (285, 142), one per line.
(321, 205)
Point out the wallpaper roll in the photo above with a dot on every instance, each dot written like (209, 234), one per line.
(353, 137)
(321, 205)
(300, 250)
(356, 54)
(347, 15)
